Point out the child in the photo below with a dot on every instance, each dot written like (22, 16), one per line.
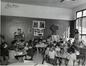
(4, 52)
(54, 43)
(29, 50)
(57, 48)
(71, 56)
(51, 54)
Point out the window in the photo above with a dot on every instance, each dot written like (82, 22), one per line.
(81, 23)
(78, 25)
(84, 26)
(84, 13)
(79, 14)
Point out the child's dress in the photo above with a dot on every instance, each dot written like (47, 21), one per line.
(52, 59)
(72, 58)
(52, 54)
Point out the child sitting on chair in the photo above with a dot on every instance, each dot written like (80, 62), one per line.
(72, 56)
(51, 54)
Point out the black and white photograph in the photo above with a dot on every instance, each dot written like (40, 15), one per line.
(43, 33)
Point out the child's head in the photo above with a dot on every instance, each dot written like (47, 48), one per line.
(26, 43)
(40, 42)
(57, 48)
(51, 47)
(30, 41)
(71, 50)
(54, 42)
(35, 41)
(44, 41)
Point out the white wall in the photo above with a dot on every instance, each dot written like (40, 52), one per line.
(0, 7)
(37, 11)
(0, 17)
(0, 24)
(78, 8)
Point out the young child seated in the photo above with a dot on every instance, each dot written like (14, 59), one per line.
(29, 50)
(51, 55)
(72, 56)
(57, 48)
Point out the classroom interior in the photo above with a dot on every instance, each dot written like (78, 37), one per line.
(43, 32)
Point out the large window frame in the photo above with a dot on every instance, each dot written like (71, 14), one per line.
(80, 16)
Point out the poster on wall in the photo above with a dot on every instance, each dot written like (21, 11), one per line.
(38, 32)
(35, 24)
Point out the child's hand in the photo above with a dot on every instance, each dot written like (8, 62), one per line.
(30, 47)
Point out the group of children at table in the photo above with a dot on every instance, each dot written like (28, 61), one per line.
(51, 51)
(56, 52)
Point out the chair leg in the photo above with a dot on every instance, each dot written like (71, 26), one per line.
(60, 61)
(66, 62)
(74, 63)
(79, 62)
(83, 63)
(43, 60)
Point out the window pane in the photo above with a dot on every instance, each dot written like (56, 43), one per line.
(84, 25)
(84, 38)
(78, 25)
(79, 14)
(84, 13)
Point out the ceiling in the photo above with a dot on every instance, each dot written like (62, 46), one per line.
(50, 3)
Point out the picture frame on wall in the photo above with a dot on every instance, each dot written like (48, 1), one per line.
(35, 32)
(42, 25)
(38, 24)
(38, 27)
(35, 24)
(38, 32)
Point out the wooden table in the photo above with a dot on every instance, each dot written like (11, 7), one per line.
(20, 57)
(40, 46)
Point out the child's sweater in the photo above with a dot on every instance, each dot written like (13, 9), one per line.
(52, 54)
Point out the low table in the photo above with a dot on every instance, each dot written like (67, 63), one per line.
(40, 46)
(20, 58)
